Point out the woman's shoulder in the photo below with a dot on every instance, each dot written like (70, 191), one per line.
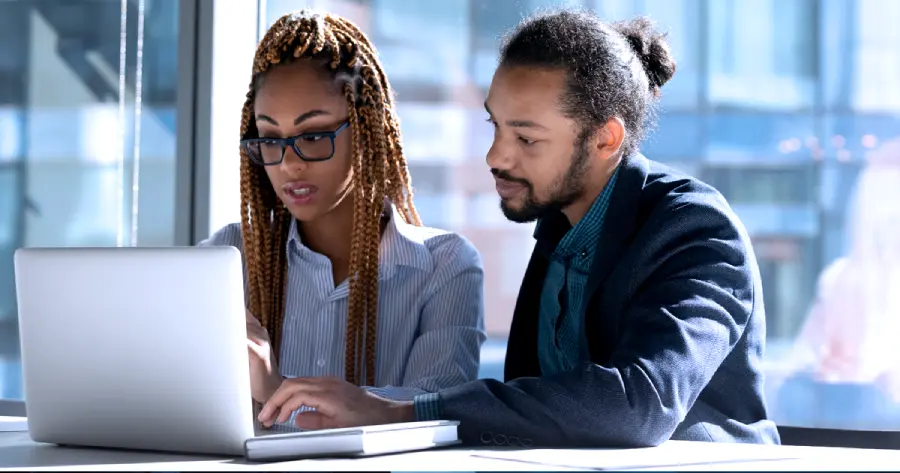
(229, 235)
(445, 245)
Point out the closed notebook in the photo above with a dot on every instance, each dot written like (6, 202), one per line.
(352, 442)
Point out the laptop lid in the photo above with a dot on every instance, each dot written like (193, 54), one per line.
(140, 348)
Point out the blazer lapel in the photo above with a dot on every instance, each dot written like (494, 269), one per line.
(521, 349)
(619, 222)
(598, 339)
(618, 226)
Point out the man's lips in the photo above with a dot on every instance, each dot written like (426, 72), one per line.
(507, 189)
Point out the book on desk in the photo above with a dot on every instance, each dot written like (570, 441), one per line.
(13, 424)
(352, 442)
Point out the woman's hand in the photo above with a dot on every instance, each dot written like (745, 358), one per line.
(264, 376)
(337, 403)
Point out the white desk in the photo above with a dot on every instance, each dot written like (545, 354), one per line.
(17, 451)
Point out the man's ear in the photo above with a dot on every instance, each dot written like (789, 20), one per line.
(609, 138)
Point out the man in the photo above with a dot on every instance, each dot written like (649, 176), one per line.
(640, 317)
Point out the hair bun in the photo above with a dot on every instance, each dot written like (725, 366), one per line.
(651, 48)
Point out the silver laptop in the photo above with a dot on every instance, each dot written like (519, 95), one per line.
(141, 348)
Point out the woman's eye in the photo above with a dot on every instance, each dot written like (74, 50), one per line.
(311, 139)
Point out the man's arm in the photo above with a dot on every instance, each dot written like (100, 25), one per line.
(680, 327)
(451, 325)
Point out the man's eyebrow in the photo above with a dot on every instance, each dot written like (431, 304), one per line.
(300, 119)
(517, 123)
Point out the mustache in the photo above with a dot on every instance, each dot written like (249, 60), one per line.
(500, 174)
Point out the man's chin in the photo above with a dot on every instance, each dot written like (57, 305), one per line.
(520, 214)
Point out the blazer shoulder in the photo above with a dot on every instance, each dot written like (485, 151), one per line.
(671, 195)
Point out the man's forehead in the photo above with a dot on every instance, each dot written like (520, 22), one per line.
(526, 88)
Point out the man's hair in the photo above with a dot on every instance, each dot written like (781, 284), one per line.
(379, 171)
(612, 70)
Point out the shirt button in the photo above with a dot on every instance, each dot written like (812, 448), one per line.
(321, 362)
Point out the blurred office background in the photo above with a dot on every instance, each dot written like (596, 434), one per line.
(119, 125)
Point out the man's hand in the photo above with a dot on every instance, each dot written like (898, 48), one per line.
(337, 404)
(264, 375)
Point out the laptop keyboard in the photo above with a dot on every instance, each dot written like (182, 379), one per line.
(287, 427)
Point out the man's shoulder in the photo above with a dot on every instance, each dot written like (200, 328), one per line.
(679, 203)
(667, 186)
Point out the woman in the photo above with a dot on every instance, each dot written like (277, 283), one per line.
(843, 371)
(341, 278)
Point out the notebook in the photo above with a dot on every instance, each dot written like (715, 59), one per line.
(352, 442)
(13, 424)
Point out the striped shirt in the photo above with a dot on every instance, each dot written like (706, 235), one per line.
(430, 310)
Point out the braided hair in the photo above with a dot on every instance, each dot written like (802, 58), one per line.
(379, 172)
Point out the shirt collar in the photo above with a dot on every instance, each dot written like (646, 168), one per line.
(554, 233)
(402, 244)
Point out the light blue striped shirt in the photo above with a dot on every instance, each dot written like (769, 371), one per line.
(430, 310)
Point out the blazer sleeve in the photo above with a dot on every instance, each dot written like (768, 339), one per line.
(677, 331)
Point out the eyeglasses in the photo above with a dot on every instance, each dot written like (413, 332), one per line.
(310, 147)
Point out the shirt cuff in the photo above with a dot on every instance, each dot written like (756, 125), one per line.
(394, 393)
(428, 407)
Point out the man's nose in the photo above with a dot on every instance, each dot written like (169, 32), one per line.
(499, 157)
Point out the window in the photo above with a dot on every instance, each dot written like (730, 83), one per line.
(423, 42)
(490, 20)
(763, 106)
(70, 158)
(762, 53)
(681, 20)
(786, 106)
(861, 65)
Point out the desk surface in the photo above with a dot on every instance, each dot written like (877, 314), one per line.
(17, 451)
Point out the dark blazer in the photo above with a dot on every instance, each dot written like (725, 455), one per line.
(674, 331)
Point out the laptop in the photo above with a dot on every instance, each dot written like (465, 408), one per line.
(145, 348)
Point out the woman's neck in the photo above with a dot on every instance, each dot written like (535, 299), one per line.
(330, 235)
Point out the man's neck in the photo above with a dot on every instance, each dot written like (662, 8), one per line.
(575, 212)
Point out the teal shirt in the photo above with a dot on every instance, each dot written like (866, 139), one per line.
(562, 298)
(563, 294)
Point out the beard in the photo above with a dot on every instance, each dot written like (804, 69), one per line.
(564, 191)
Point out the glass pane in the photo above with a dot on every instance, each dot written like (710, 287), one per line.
(762, 53)
(491, 20)
(770, 138)
(681, 20)
(76, 169)
(861, 65)
(786, 144)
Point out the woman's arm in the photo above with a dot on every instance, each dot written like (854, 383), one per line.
(447, 350)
